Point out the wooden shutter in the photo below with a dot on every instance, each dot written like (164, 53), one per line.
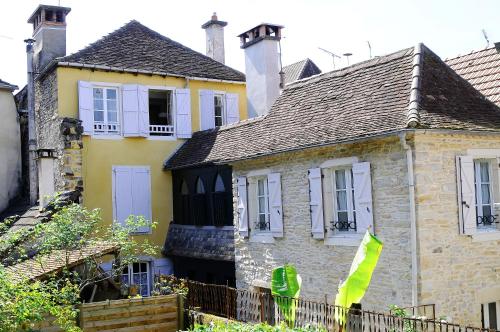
(141, 195)
(86, 107)
(143, 95)
(207, 109)
(467, 192)
(316, 203)
(130, 106)
(275, 205)
(363, 196)
(183, 113)
(122, 193)
(242, 207)
(232, 109)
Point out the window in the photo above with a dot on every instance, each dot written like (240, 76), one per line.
(344, 218)
(132, 194)
(184, 203)
(220, 203)
(219, 110)
(263, 223)
(490, 313)
(483, 186)
(138, 274)
(106, 119)
(200, 204)
(160, 113)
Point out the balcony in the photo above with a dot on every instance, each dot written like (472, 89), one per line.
(343, 226)
(161, 130)
(487, 221)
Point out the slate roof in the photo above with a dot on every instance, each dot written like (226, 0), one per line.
(482, 70)
(200, 242)
(8, 86)
(40, 267)
(364, 100)
(300, 70)
(135, 47)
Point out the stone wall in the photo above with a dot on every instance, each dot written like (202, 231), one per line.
(63, 135)
(322, 266)
(456, 273)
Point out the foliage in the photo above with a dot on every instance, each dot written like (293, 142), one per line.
(243, 327)
(168, 284)
(285, 286)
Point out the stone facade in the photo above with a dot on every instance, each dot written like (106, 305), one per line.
(322, 266)
(63, 135)
(455, 272)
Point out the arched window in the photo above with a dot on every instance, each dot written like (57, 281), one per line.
(184, 188)
(185, 211)
(219, 185)
(200, 188)
(200, 202)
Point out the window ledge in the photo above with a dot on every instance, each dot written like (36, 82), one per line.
(482, 236)
(348, 240)
(104, 136)
(162, 138)
(262, 238)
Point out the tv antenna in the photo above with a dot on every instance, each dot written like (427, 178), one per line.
(347, 55)
(486, 37)
(333, 55)
(370, 48)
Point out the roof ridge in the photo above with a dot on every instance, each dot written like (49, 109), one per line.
(413, 116)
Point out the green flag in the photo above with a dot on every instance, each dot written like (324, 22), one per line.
(286, 287)
(354, 287)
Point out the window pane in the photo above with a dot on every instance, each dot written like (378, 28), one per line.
(98, 104)
(98, 116)
(125, 279)
(485, 174)
(111, 105)
(219, 184)
(343, 216)
(485, 193)
(111, 94)
(200, 188)
(112, 117)
(262, 218)
(135, 268)
(486, 210)
(262, 202)
(98, 93)
(340, 181)
(144, 290)
(492, 313)
(136, 279)
(260, 185)
(341, 200)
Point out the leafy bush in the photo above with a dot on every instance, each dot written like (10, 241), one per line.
(168, 284)
(243, 327)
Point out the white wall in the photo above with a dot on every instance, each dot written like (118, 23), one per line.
(10, 149)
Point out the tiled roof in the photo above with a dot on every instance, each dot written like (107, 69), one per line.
(39, 267)
(8, 86)
(364, 100)
(136, 47)
(200, 242)
(299, 70)
(482, 70)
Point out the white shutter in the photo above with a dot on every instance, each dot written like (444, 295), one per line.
(275, 206)
(130, 106)
(183, 113)
(141, 195)
(242, 207)
(232, 110)
(86, 107)
(316, 203)
(363, 196)
(207, 109)
(122, 193)
(467, 190)
(143, 94)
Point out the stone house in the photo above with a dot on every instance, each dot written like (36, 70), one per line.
(108, 114)
(10, 146)
(400, 145)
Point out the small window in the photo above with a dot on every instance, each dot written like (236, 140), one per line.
(184, 188)
(490, 314)
(343, 196)
(200, 188)
(221, 201)
(263, 216)
(484, 194)
(200, 204)
(219, 110)
(185, 211)
(137, 274)
(160, 113)
(219, 184)
(106, 119)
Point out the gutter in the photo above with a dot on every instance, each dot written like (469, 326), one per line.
(413, 219)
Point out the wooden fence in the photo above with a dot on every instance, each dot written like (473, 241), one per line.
(157, 313)
(254, 307)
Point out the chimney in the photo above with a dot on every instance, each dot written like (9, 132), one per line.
(262, 67)
(49, 32)
(214, 30)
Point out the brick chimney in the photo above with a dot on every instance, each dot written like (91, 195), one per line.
(214, 30)
(49, 32)
(262, 67)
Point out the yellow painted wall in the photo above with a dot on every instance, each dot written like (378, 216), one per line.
(99, 155)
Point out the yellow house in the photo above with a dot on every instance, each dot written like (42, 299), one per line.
(111, 112)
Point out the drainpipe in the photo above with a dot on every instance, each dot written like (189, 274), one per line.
(33, 172)
(413, 220)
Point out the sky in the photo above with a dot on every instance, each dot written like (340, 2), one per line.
(448, 27)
